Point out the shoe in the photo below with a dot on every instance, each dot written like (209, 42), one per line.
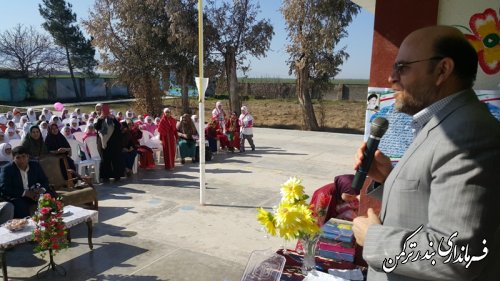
(117, 179)
(105, 180)
(253, 148)
(183, 161)
(129, 174)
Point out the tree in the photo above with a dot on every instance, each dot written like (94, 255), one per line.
(238, 34)
(132, 38)
(315, 27)
(60, 22)
(29, 51)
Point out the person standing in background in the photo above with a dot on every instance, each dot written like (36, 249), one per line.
(168, 136)
(246, 128)
(219, 115)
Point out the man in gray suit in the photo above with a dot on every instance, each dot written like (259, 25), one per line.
(440, 214)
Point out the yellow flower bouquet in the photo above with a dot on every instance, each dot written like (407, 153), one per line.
(293, 218)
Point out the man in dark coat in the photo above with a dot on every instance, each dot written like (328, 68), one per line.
(21, 182)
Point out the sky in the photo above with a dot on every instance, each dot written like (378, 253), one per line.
(358, 42)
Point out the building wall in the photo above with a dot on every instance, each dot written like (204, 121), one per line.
(479, 15)
(59, 89)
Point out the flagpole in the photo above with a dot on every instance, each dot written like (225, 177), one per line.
(201, 103)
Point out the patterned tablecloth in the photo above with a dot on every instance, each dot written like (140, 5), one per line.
(72, 216)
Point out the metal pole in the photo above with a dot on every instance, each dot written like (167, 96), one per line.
(201, 103)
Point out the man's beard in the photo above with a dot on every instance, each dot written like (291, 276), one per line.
(411, 105)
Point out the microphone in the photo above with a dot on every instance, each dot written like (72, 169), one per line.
(377, 130)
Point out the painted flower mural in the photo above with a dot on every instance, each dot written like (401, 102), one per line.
(485, 37)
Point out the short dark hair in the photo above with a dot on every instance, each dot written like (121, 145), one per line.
(463, 55)
(372, 96)
(19, 150)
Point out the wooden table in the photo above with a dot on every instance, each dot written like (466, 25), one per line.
(73, 216)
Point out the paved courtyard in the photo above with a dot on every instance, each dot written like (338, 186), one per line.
(152, 227)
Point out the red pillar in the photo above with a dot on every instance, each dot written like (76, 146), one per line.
(394, 19)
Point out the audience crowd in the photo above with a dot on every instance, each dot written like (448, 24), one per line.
(118, 138)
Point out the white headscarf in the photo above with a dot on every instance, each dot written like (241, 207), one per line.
(7, 137)
(43, 131)
(3, 120)
(48, 114)
(31, 115)
(59, 122)
(4, 156)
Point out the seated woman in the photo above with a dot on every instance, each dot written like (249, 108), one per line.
(187, 138)
(146, 159)
(213, 133)
(149, 126)
(67, 133)
(44, 128)
(5, 153)
(75, 125)
(33, 144)
(128, 148)
(58, 145)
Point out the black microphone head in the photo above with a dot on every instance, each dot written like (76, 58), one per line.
(379, 127)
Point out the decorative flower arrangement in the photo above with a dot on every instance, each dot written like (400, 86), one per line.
(50, 230)
(294, 218)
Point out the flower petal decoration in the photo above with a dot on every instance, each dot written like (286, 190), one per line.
(486, 40)
(292, 190)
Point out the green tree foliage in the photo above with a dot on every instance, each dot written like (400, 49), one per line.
(60, 22)
(132, 39)
(238, 34)
(31, 52)
(315, 28)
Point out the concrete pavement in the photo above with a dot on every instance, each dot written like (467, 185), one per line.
(151, 226)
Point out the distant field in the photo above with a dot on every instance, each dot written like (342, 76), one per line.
(291, 81)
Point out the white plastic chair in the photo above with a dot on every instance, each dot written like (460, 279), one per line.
(91, 143)
(78, 136)
(81, 164)
(15, 142)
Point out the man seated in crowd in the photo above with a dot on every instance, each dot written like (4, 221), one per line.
(21, 182)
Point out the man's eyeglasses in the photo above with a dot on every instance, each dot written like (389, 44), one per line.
(399, 66)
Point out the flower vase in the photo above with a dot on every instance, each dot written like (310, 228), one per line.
(309, 246)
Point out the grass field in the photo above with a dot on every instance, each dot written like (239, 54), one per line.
(332, 116)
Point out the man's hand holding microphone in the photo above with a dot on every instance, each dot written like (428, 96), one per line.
(369, 162)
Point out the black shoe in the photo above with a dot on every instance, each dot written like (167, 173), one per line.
(183, 161)
(105, 180)
(117, 179)
(253, 148)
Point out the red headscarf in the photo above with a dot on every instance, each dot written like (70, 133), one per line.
(105, 109)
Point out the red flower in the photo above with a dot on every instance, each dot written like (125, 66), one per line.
(45, 210)
(486, 40)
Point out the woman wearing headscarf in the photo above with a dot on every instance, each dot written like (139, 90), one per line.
(246, 131)
(187, 138)
(3, 123)
(74, 126)
(233, 131)
(42, 118)
(47, 113)
(31, 115)
(78, 113)
(16, 115)
(5, 153)
(65, 114)
(149, 125)
(56, 120)
(128, 148)
(33, 143)
(66, 132)
(44, 129)
(168, 136)
(11, 134)
(25, 129)
(24, 119)
(2, 137)
(110, 141)
(58, 145)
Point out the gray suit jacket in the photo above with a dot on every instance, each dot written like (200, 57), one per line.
(448, 181)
